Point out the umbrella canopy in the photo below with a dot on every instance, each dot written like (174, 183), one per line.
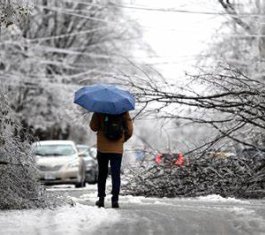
(103, 98)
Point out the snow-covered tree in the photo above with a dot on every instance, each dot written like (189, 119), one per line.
(18, 176)
(225, 96)
(242, 41)
(60, 46)
(14, 11)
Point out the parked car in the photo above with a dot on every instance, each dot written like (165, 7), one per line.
(58, 162)
(89, 155)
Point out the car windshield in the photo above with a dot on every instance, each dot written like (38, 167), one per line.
(54, 150)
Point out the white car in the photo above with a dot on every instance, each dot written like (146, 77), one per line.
(58, 162)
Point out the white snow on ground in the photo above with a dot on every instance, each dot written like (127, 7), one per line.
(240, 213)
(209, 198)
(140, 199)
(246, 219)
(218, 198)
(243, 215)
(63, 220)
(129, 199)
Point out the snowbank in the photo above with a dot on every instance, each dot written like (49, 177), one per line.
(218, 198)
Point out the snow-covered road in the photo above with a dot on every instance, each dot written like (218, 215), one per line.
(184, 216)
(138, 215)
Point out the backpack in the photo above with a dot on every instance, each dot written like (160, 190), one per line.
(113, 126)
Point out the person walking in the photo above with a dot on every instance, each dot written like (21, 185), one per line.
(110, 105)
(112, 132)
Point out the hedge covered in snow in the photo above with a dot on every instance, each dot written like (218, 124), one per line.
(235, 176)
(19, 187)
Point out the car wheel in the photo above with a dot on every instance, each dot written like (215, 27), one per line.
(78, 185)
(81, 184)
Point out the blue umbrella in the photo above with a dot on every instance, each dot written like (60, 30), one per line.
(103, 98)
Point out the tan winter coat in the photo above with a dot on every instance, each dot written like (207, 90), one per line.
(105, 145)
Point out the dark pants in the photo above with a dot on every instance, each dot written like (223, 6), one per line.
(115, 164)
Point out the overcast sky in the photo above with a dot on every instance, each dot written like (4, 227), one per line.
(176, 35)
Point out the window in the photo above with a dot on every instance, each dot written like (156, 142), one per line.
(54, 150)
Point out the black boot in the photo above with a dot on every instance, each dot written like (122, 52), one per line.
(115, 202)
(100, 202)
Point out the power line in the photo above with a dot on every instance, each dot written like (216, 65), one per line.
(144, 8)
(135, 7)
